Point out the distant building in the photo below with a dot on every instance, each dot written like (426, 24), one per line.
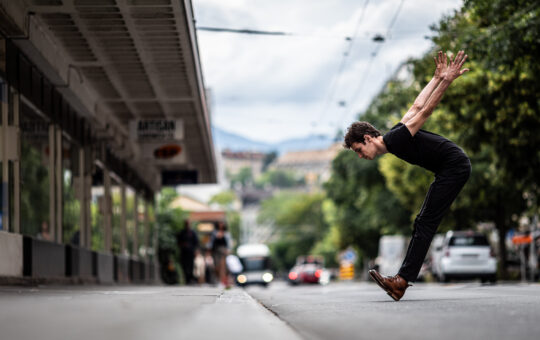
(234, 161)
(314, 165)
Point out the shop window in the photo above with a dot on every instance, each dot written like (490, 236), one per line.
(116, 216)
(97, 208)
(72, 206)
(130, 218)
(34, 171)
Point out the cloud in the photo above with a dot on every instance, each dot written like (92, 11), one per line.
(276, 87)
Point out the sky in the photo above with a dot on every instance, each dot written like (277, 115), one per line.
(271, 88)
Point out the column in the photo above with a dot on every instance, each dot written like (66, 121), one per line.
(52, 182)
(135, 250)
(123, 220)
(16, 218)
(84, 240)
(146, 230)
(59, 182)
(107, 213)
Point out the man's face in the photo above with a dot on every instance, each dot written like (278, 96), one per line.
(367, 150)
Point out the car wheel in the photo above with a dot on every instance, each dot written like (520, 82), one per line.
(493, 278)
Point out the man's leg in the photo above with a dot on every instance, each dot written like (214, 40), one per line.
(440, 196)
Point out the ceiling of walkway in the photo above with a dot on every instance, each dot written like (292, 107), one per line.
(126, 60)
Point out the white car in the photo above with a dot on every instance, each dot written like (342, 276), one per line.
(466, 254)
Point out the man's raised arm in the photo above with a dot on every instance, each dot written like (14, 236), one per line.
(453, 71)
(420, 101)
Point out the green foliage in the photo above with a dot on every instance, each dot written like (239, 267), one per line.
(279, 179)
(492, 112)
(366, 209)
(300, 223)
(243, 178)
(169, 223)
(268, 159)
(34, 190)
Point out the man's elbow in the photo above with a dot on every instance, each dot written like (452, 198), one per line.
(416, 107)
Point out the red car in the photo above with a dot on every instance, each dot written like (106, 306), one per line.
(307, 270)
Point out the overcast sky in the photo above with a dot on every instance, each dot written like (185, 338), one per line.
(271, 88)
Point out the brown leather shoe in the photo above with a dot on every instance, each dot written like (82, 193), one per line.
(393, 285)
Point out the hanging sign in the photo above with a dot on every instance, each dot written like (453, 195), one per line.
(168, 153)
(153, 130)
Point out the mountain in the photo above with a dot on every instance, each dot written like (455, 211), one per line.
(228, 140)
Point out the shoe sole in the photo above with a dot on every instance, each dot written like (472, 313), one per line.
(383, 286)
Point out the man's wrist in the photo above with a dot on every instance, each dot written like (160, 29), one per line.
(448, 79)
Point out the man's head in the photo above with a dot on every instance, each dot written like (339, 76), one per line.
(362, 138)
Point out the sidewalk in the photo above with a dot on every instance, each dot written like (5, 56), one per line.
(129, 312)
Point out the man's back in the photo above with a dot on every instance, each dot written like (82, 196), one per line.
(426, 149)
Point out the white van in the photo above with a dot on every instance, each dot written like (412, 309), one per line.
(392, 250)
(255, 259)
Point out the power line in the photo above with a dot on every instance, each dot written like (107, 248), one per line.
(341, 67)
(374, 53)
(241, 31)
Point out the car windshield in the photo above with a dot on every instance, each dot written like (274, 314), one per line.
(254, 263)
(465, 241)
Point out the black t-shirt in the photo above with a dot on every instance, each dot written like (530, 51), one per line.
(426, 149)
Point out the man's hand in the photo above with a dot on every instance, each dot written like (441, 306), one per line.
(454, 70)
(440, 65)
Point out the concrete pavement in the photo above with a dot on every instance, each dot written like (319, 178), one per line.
(135, 312)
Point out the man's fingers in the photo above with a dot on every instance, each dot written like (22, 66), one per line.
(463, 60)
(457, 59)
(463, 71)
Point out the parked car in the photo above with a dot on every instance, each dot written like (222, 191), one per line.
(466, 254)
(308, 269)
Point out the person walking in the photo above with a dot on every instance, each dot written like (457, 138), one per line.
(220, 245)
(188, 242)
(407, 141)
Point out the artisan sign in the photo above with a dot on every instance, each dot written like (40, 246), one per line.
(153, 130)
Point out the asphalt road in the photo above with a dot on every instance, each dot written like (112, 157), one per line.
(427, 311)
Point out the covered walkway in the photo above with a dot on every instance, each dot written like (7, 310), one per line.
(103, 103)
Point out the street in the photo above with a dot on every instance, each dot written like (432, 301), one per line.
(427, 311)
(336, 311)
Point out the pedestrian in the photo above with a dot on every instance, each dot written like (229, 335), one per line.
(187, 242)
(199, 267)
(220, 244)
(210, 268)
(445, 159)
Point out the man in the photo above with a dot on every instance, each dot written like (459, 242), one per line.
(445, 159)
(188, 242)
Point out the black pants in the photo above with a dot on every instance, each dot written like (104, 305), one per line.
(186, 260)
(442, 192)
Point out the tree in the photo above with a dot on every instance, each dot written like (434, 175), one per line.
(299, 221)
(268, 159)
(496, 108)
(169, 223)
(279, 179)
(366, 209)
(243, 178)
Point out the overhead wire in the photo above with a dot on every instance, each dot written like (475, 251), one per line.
(374, 54)
(341, 67)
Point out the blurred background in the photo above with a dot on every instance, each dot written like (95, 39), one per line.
(200, 142)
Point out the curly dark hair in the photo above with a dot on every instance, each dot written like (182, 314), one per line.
(357, 131)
